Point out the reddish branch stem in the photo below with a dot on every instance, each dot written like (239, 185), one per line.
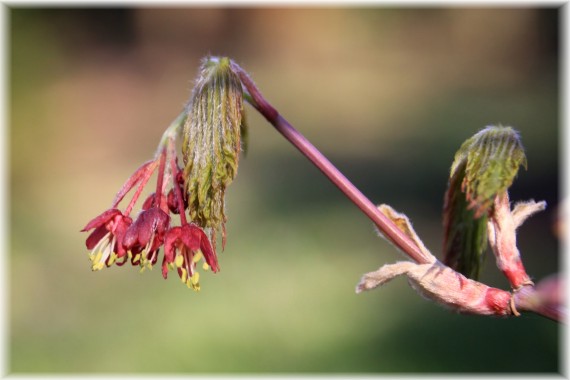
(547, 298)
(388, 228)
(385, 225)
(175, 185)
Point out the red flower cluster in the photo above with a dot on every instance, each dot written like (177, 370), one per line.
(117, 239)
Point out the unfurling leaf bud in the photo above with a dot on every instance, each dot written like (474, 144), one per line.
(212, 141)
(484, 166)
(492, 158)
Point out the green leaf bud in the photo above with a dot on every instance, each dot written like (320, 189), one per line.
(492, 158)
(212, 142)
(484, 166)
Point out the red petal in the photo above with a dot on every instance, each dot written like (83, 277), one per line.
(149, 222)
(172, 236)
(95, 237)
(190, 236)
(101, 219)
(149, 202)
(131, 237)
(164, 268)
(120, 231)
(209, 253)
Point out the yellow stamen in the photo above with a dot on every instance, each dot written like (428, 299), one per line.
(195, 278)
(179, 260)
(205, 266)
(98, 257)
(184, 275)
(197, 256)
(112, 259)
(101, 246)
(97, 266)
(152, 258)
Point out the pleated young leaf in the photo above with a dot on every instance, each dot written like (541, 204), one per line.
(465, 239)
(484, 166)
(212, 142)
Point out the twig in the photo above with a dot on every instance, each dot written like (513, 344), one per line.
(385, 225)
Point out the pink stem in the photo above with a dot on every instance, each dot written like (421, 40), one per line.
(546, 298)
(160, 180)
(384, 224)
(143, 181)
(175, 184)
(132, 181)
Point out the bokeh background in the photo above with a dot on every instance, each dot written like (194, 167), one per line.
(387, 94)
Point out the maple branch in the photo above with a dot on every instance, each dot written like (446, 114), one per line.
(385, 225)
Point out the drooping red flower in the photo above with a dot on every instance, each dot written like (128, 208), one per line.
(145, 236)
(106, 241)
(116, 236)
(184, 246)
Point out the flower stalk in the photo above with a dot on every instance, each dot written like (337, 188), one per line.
(177, 191)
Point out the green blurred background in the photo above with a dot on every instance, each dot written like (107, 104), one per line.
(387, 94)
